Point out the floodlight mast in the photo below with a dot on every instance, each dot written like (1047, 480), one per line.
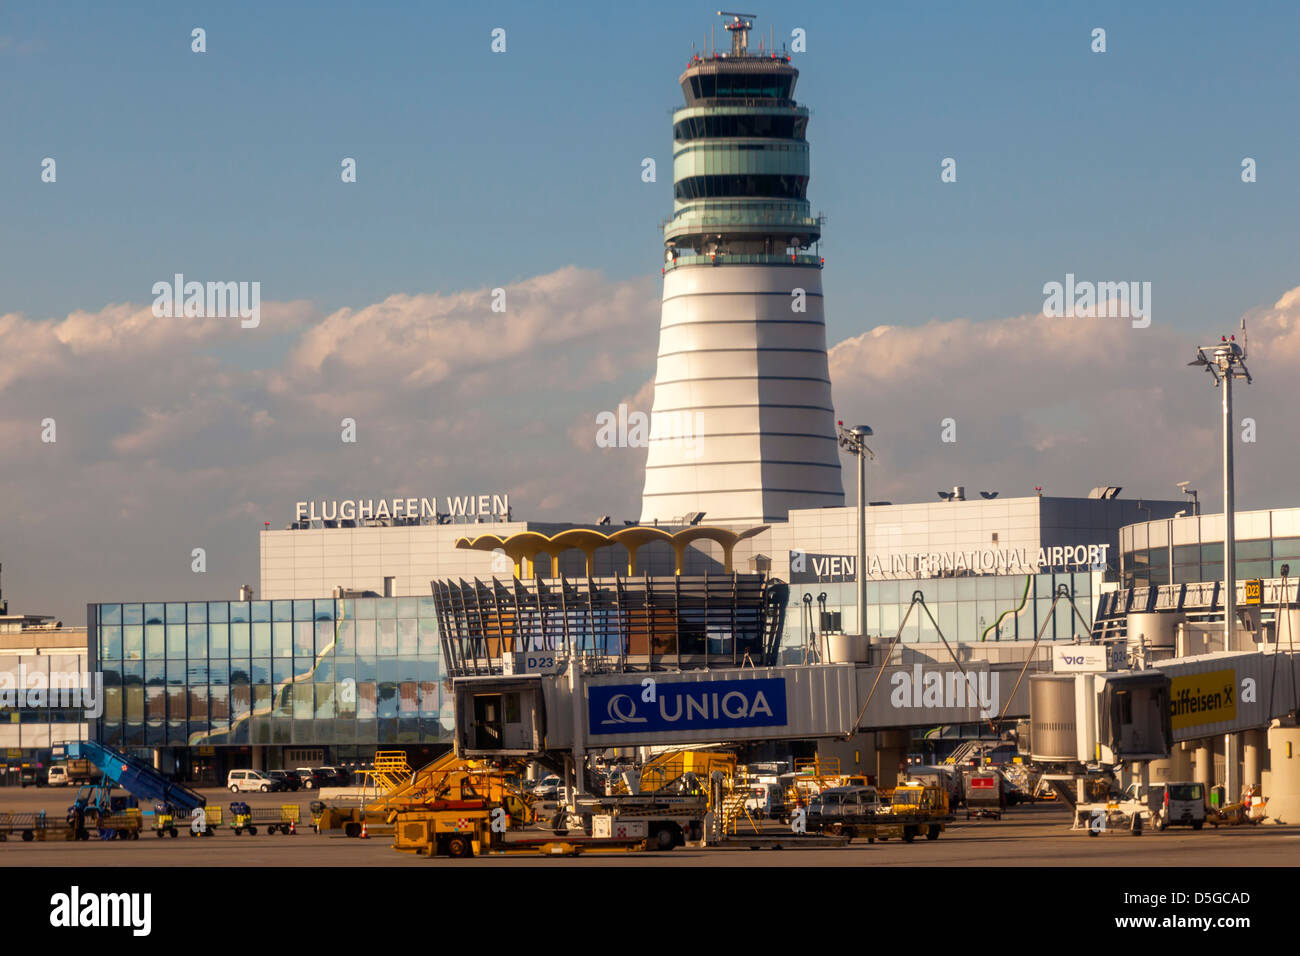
(853, 440)
(1227, 361)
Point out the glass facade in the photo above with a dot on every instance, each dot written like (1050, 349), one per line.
(346, 672)
(1191, 563)
(44, 699)
(967, 608)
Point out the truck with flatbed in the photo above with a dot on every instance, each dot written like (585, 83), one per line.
(916, 808)
(72, 772)
(664, 820)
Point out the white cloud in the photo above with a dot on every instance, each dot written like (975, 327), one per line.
(176, 433)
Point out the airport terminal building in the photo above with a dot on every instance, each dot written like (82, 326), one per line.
(340, 651)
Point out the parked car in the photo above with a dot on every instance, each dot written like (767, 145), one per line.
(338, 777)
(547, 788)
(313, 778)
(30, 777)
(288, 779)
(238, 780)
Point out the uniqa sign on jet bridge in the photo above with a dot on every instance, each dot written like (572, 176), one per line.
(750, 703)
(792, 702)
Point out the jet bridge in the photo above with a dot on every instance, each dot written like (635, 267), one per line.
(1140, 715)
(539, 669)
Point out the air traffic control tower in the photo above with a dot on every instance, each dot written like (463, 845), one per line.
(742, 425)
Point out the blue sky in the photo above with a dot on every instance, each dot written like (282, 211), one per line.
(476, 169)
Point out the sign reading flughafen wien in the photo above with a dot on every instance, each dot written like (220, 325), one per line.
(359, 509)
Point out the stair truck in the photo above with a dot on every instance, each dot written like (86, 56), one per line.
(135, 776)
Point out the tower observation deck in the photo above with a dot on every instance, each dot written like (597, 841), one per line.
(742, 425)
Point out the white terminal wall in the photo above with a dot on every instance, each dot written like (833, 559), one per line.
(311, 563)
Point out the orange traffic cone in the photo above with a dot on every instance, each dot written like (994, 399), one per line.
(292, 829)
(364, 834)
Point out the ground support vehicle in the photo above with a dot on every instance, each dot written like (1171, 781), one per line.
(455, 817)
(454, 828)
(135, 776)
(38, 826)
(281, 819)
(1250, 810)
(208, 824)
(164, 821)
(1177, 804)
(916, 809)
(835, 807)
(71, 772)
(241, 818)
(374, 800)
(905, 827)
(119, 826)
(985, 794)
(669, 820)
(785, 838)
(458, 829)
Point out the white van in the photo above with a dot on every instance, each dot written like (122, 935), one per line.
(238, 780)
(58, 776)
(1177, 804)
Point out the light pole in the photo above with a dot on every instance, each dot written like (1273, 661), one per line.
(1196, 503)
(1225, 362)
(853, 440)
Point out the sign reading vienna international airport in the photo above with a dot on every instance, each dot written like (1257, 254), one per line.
(359, 509)
(653, 706)
(808, 568)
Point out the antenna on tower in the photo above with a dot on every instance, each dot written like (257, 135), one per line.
(739, 28)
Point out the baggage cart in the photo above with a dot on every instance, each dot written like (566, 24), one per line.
(119, 826)
(164, 821)
(281, 819)
(241, 818)
(205, 821)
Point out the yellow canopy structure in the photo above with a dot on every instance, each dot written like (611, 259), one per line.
(523, 548)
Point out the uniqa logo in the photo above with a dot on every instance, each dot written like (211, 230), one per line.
(733, 705)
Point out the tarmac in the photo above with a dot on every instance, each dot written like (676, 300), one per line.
(1037, 835)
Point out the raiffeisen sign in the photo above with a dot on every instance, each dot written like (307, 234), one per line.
(807, 568)
(360, 509)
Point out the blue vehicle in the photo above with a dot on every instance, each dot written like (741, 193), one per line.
(135, 776)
